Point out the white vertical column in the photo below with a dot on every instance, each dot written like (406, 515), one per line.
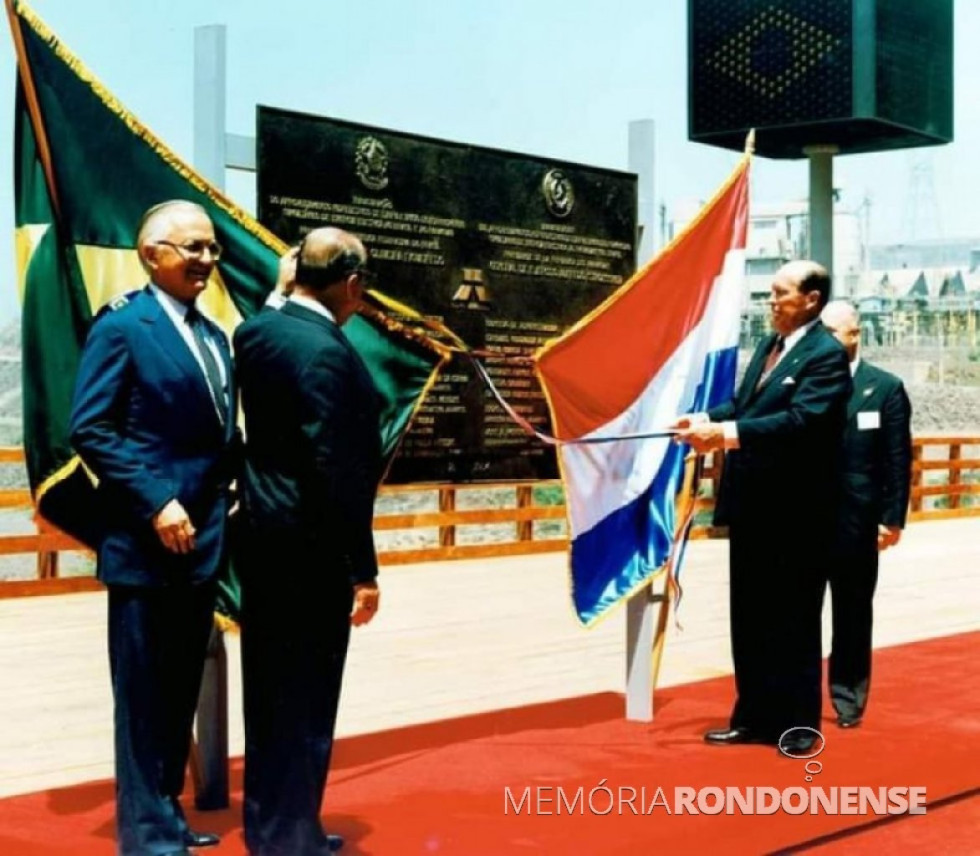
(209, 103)
(211, 781)
(639, 609)
(642, 153)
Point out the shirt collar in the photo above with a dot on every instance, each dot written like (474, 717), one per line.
(798, 334)
(173, 306)
(312, 305)
(854, 365)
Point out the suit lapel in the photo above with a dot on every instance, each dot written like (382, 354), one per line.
(791, 360)
(754, 371)
(172, 343)
(864, 389)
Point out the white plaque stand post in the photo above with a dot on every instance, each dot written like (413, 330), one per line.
(644, 630)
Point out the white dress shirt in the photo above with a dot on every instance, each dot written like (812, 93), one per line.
(730, 428)
(177, 313)
(312, 305)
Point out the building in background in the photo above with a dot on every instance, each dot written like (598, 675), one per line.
(916, 291)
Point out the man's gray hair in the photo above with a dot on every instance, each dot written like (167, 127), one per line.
(155, 224)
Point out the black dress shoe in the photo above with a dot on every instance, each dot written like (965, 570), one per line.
(200, 839)
(796, 745)
(849, 720)
(334, 842)
(732, 736)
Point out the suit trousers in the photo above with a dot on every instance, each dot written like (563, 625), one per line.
(775, 598)
(295, 633)
(853, 579)
(157, 643)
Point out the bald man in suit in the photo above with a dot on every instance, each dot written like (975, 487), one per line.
(781, 434)
(308, 566)
(875, 487)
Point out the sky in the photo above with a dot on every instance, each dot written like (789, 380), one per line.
(542, 77)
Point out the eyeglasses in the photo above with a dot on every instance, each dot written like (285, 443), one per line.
(196, 249)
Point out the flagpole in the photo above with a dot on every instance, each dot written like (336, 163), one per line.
(684, 508)
(33, 108)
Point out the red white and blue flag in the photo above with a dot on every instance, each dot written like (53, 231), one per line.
(663, 344)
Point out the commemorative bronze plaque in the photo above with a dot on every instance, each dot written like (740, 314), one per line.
(507, 250)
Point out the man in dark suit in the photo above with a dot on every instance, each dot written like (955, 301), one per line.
(308, 566)
(153, 419)
(782, 436)
(877, 473)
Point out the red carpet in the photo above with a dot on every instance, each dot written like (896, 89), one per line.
(440, 788)
(949, 827)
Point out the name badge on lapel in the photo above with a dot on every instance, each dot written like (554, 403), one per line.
(869, 420)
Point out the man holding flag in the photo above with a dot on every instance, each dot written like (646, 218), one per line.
(781, 434)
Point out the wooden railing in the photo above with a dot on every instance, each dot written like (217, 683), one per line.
(943, 479)
(940, 470)
(46, 543)
(518, 504)
(523, 513)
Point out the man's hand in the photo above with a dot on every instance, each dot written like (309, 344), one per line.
(174, 527)
(888, 536)
(286, 278)
(702, 436)
(366, 598)
(688, 420)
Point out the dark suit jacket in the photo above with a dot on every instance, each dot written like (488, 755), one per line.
(144, 422)
(789, 432)
(313, 446)
(877, 457)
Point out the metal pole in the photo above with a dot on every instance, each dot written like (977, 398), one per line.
(209, 103)
(639, 608)
(642, 152)
(822, 205)
(212, 791)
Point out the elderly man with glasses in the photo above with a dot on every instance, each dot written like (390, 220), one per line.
(153, 419)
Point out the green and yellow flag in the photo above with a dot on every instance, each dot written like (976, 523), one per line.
(85, 171)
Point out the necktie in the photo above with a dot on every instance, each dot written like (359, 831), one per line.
(196, 325)
(772, 358)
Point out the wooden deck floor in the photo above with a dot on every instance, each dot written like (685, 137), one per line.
(452, 638)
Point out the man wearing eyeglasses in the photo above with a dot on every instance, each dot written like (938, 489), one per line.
(153, 418)
(308, 565)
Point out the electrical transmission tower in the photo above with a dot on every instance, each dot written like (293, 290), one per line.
(922, 216)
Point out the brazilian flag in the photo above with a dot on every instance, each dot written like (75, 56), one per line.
(85, 171)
